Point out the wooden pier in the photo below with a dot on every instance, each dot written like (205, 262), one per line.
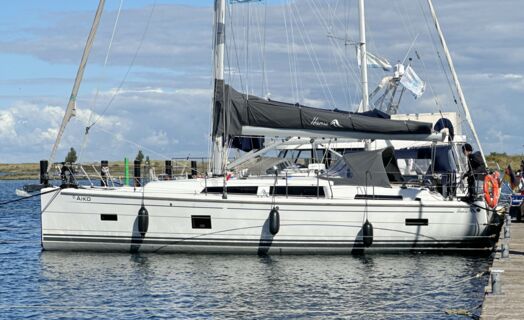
(509, 303)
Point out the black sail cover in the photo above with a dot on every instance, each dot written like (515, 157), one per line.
(242, 110)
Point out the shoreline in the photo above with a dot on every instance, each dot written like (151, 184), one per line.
(31, 171)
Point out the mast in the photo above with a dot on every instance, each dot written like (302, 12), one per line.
(218, 71)
(363, 65)
(363, 57)
(71, 105)
(220, 28)
(455, 79)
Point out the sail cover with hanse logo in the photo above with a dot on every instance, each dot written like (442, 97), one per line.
(242, 110)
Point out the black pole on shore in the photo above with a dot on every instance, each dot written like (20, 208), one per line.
(104, 168)
(136, 173)
(44, 178)
(169, 169)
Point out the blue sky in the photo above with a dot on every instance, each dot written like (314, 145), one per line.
(163, 105)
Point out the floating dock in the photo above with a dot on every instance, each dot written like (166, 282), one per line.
(504, 298)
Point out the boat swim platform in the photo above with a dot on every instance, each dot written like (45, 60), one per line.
(508, 302)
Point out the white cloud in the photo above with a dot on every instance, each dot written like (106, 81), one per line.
(195, 92)
(156, 139)
(49, 134)
(7, 125)
(499, 81)
(25, 128)
(498, 141)
(316, 103)
(513, 76)
(106, 122)
(116, 91)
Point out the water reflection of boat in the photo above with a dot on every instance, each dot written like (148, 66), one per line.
(117, 285)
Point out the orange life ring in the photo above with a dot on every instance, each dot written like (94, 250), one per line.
(491, 190)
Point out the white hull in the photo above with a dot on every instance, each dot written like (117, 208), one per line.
(72, 220)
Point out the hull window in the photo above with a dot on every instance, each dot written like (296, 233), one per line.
(378, 197)
(201, 222)
(232, 190)
(297, 191)
(416, 222)
(108, 217)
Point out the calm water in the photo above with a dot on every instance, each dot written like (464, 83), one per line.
(35, 284)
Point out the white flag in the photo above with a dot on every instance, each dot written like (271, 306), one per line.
(411, 81)
(374, 62)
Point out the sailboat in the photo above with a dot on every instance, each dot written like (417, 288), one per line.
(361, 203)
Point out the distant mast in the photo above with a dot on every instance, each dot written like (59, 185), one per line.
(71, 105)
(455, 79)
(217, 156)
(363, 57)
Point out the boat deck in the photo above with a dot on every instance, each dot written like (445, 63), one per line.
(510, 303)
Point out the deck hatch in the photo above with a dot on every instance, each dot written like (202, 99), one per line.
(201, 222)
(108, 217)
(417, 222)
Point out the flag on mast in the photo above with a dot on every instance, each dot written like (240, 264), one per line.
(411, 81)
(375, 61)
